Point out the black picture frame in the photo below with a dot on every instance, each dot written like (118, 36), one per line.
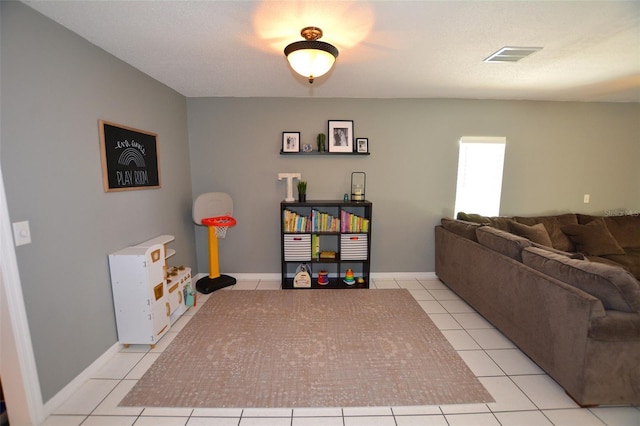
(130, 158)
(362, 145)
(340, 135)
(290, 141)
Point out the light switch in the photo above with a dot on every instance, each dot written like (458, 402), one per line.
(21, 233)
(587, 198)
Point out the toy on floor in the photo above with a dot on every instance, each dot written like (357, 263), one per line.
(215, 211)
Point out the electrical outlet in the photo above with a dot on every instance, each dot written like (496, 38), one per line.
(21, 233)
(587, 197)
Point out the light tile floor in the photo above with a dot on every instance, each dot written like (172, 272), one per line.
(524, 394)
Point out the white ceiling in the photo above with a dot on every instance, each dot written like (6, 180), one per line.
(388, 49)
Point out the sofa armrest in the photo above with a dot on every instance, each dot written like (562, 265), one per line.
(616, 326)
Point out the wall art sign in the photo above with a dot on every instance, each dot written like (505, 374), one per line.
(129, 158)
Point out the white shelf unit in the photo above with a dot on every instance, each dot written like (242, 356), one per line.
(148, 296)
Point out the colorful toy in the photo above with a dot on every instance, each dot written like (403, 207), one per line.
(214, 210)
(348, 277)
(323, 277)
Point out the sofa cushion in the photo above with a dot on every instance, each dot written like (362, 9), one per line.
(569, 254)
(498, 222)
(554, 224)
(625, 229)
(616, 288)
(613, 260)
(593, 239)
(630, 260)
(503, 242)
(472, 217)
(461, 227)
(536, 233)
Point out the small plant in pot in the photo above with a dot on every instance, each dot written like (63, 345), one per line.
(302, 190)
(321, 145)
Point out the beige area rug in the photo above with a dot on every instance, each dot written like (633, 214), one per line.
(308, 348)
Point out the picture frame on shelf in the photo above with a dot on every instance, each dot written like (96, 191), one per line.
(340, 135)
(290, 141)
(362, 145)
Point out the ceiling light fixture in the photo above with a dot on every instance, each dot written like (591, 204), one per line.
(309, 57)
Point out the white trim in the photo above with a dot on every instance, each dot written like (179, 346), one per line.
(20, 378)
(269, 276)
(240, 276)
(403, 275)
(66, 392)
(484, 139)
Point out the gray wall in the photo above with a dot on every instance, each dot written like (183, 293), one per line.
(55, 87)
(556, 152)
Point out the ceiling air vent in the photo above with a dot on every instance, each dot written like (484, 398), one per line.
(511, 54)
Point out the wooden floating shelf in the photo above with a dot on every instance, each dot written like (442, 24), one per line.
(323, 153)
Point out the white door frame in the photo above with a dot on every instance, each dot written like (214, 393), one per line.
(18, 370)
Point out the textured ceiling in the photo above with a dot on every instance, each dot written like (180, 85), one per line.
(388, 49)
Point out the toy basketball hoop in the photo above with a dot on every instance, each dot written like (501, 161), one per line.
(215, 211)
(220, 223)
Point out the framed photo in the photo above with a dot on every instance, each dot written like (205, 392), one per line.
(129, 158)
(290, 141)
(362, 145)
(340, 135)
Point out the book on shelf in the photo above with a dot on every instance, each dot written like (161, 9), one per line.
(323, 222)
(315, 246)
(294, 222)
(327, 254)
(353, 223)
(317, 221)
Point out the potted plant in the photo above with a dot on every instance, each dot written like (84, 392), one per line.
(321, 146)
(302, 191)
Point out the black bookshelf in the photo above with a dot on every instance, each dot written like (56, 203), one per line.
(332, 241)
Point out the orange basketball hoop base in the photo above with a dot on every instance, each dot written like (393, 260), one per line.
(215, 281)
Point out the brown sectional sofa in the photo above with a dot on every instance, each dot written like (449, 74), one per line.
(565, 289)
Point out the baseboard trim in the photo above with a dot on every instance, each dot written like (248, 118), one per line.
(268, 276)
(404, 275)
(65, 393)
